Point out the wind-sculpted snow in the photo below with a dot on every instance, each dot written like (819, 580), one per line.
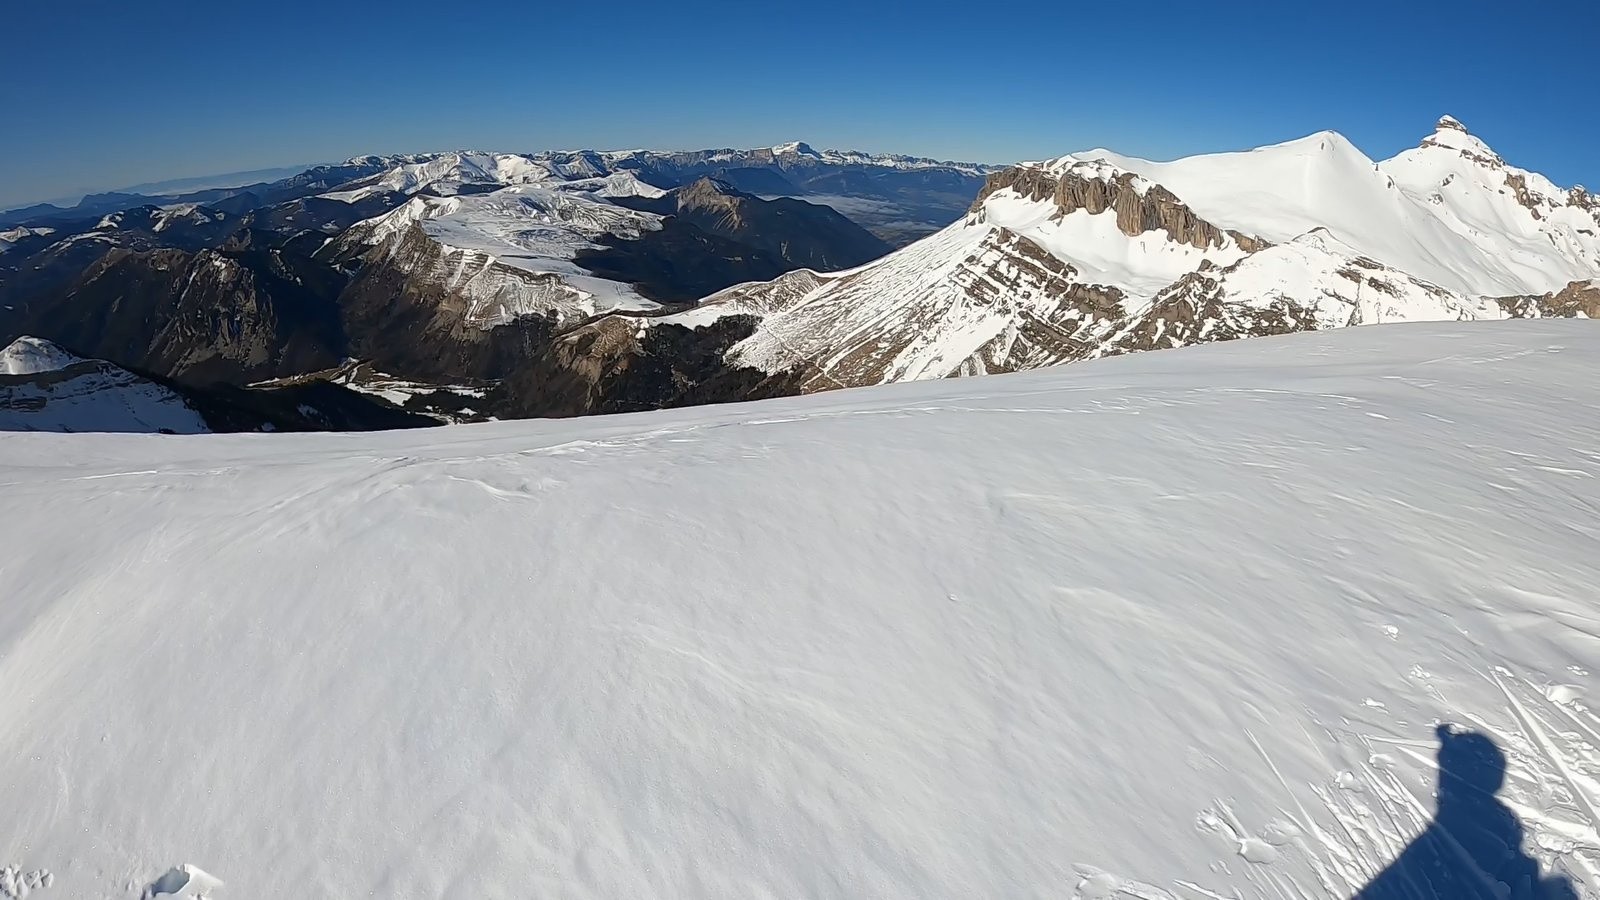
(1171, 625)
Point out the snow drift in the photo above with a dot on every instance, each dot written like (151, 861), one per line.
(1170, 625)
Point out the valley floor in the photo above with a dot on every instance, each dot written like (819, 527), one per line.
(1172, 625)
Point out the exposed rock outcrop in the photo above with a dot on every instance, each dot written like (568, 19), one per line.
(1310, 283)
(199, 317)
(1140, 205)
(1519, 188)
(418, 307)
(622, 363)
(1579, 298)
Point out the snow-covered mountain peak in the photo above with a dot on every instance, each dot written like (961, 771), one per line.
(1320, 238)
(1099, 165)
(618, 184)
(30, 355)
(795, 148)
(1096, 252)
(44, 387)
(1450, 134)
(510, 251)
(1325, 141)
(1450, 212)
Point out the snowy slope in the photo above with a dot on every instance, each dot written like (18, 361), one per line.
(533, 229)
(1447, 212)
(1312, 282)
(955, 302)
(30, 355)
(1171, 625)
(1096, 253)
(536, 212)
(46, 388)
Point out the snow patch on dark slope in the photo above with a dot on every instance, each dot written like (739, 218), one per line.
(46, 388)
(1169, 625)
(30, 355)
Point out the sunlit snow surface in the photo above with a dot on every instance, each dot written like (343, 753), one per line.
(1177, 624)
(1443, 212)
(30, 356)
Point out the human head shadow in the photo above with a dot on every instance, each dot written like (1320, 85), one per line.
(1472, 850)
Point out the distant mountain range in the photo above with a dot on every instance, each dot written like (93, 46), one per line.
(467, 285)
(453, 268)
(899, 197)
(1095, 254)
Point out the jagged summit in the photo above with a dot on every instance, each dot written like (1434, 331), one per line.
(1451, 134)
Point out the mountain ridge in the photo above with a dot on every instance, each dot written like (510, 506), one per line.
(1094, 253)
(610, 273)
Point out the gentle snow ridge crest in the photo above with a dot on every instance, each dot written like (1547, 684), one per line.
(30, 355)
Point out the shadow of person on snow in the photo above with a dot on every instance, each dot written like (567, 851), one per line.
(1472, 850)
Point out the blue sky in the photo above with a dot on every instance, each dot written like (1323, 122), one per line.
(106, 93)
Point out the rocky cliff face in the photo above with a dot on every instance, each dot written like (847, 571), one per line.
(418, 305)
(1311, 283)
(433, 312)
(1579, 298)
(1140, 206)
(622, 363)
(199, 317)
(994, 302)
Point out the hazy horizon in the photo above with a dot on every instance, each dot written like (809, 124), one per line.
(982, 88)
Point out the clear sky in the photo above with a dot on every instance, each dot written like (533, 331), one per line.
(101, 94)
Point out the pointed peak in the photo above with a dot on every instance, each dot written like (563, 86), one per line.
(707, 193)
(707, 184)
(1450, 134)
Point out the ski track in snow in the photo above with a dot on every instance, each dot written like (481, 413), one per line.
(1175, 625)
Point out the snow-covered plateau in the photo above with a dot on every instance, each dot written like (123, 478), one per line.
(1186, 624)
